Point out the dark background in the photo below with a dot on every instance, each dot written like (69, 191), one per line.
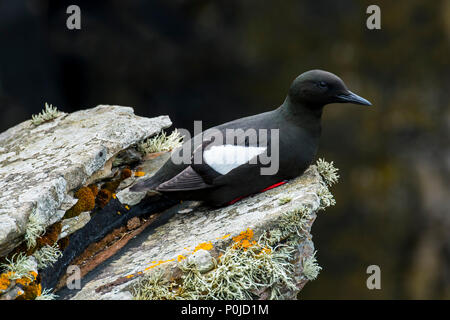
(220, 60)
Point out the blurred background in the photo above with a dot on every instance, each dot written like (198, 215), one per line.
(220, 60)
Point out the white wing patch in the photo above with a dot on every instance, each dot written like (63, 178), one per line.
(225, 158)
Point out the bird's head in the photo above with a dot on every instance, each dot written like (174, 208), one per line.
(318, 88)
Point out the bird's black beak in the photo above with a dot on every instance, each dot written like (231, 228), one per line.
(350, 97)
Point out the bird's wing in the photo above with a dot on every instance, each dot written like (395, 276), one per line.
(186, 180)
(218, 158)
(224, 158)
(217, 161)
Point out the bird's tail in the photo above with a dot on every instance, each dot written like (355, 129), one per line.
(166, 172)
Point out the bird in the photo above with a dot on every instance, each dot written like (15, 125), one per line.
(230, 170)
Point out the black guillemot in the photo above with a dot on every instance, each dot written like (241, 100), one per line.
(229, 169)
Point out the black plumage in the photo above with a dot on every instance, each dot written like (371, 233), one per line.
(298, 121)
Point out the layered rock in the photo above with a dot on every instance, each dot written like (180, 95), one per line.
(196, 237)
(65, 203)
(41, 164)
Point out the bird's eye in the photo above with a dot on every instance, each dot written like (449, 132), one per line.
(322, 84)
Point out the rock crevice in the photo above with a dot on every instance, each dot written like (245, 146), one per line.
(40, 164)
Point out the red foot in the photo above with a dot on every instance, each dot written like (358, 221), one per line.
(274, 185)
(268, 188)
(236, 200)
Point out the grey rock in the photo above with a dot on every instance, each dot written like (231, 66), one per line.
(12, 293)
(150, 167)
(15, 290)
(71, 225)
(39, 165)
(202, 260)
(125, 196)
(193, 227)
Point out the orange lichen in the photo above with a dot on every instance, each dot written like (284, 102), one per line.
(31, 291)
(245, 244)
(84, 193)
(224, 237)
(34, 274)
(86, 202)
(103, 197)
(205, 246)
(126, 173)
(244, 235)
(139, 174)
(5, 280)
(26, 281)
(94, 189)
(243, 240)
(127, 207)
(108, 189)
(158, 263)
(50, 237)
(133, 275)
(29, 288)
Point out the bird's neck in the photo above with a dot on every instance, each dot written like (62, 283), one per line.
(305, 116)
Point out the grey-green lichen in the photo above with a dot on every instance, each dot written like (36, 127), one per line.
(263, 269)
(155, 286)
(330, 176)
(284, 200)
(327, 171)
(48, 113)
(311, 268)
(161, 142)
(19, 266)
(242, 271)
(46, 295)
(295, 221)
(35, 229)
(47, 255)
(326, 197)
